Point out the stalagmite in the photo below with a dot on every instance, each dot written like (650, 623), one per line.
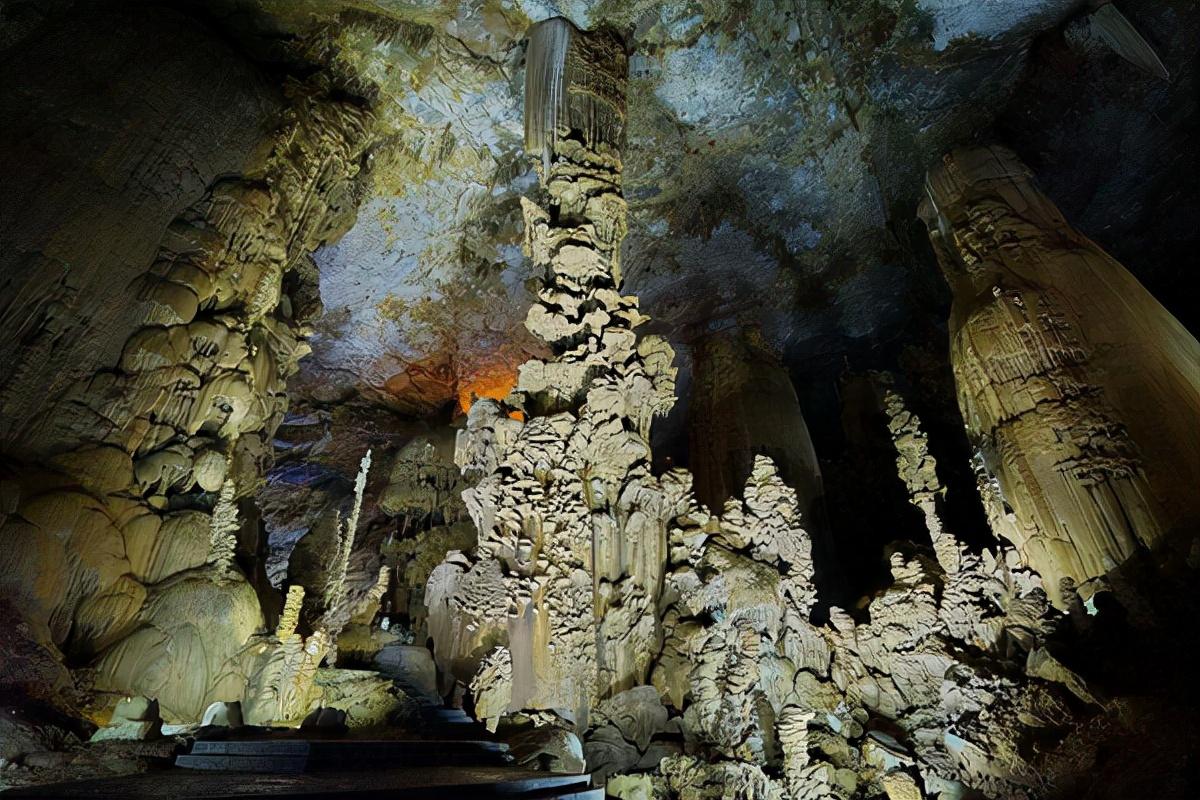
(1080, 389)
(290, 617)
(571, 523)
(223, 533)
(743, 404)
(599, 593)
(918, 470)
(335, 590)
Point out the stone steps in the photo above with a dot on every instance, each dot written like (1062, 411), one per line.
(306, 768)
(450, 723)
(413, 783)
(303, 755)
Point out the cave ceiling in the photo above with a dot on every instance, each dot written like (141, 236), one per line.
(774, 162)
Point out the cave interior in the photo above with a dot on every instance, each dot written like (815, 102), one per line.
(730, 399)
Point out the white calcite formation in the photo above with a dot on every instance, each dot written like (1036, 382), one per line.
(281, 673)
(918, 469)
(107, 542)
(568, 569)
(933, 693)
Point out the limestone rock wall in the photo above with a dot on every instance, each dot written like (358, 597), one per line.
(158, 110)
(157, 296)
(1080, 389)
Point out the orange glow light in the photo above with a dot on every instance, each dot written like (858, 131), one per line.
(494, 381)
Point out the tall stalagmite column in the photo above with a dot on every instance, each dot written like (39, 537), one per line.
(1081, 390)
(559, 610)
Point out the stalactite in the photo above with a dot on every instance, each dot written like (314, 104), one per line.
(1079, 389)
(574, 86)
(545, 61)
(1118, 33)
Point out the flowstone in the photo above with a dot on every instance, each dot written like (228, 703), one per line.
(106, 535)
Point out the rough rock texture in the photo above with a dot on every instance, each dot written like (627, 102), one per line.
(918, 469)
(774, 158)
(1079, 388)
(571, 541)
(836, 710)
(775, 155)
(743, 404)
(165, 182)
(561, 610)
(170, 305)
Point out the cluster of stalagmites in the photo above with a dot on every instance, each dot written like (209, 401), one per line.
(747, 698)
(667, 646)
(676, 642)
(121, 551)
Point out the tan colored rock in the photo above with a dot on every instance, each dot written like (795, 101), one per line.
(159, 547)
(901, 786)
(99, 469)
(209, 469)
(290, 618)
(569, 557)
(368, 699)
(493, 687)
(1080, 388)
(191, 628)
(135, 718)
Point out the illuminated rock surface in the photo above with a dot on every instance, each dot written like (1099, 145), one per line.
(1081, 390)
(332, 335)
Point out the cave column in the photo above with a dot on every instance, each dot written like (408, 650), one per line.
(1081, 391)
(572, 531)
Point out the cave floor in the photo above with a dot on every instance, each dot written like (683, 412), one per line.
(408, 783)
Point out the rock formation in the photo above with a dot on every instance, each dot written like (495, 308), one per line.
(774, 706)
(1080, 390)
(170, 398)
(615, 601)
(572, 541)
(178, 178)
(281, 673)
(743, 404)
(918, 469)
